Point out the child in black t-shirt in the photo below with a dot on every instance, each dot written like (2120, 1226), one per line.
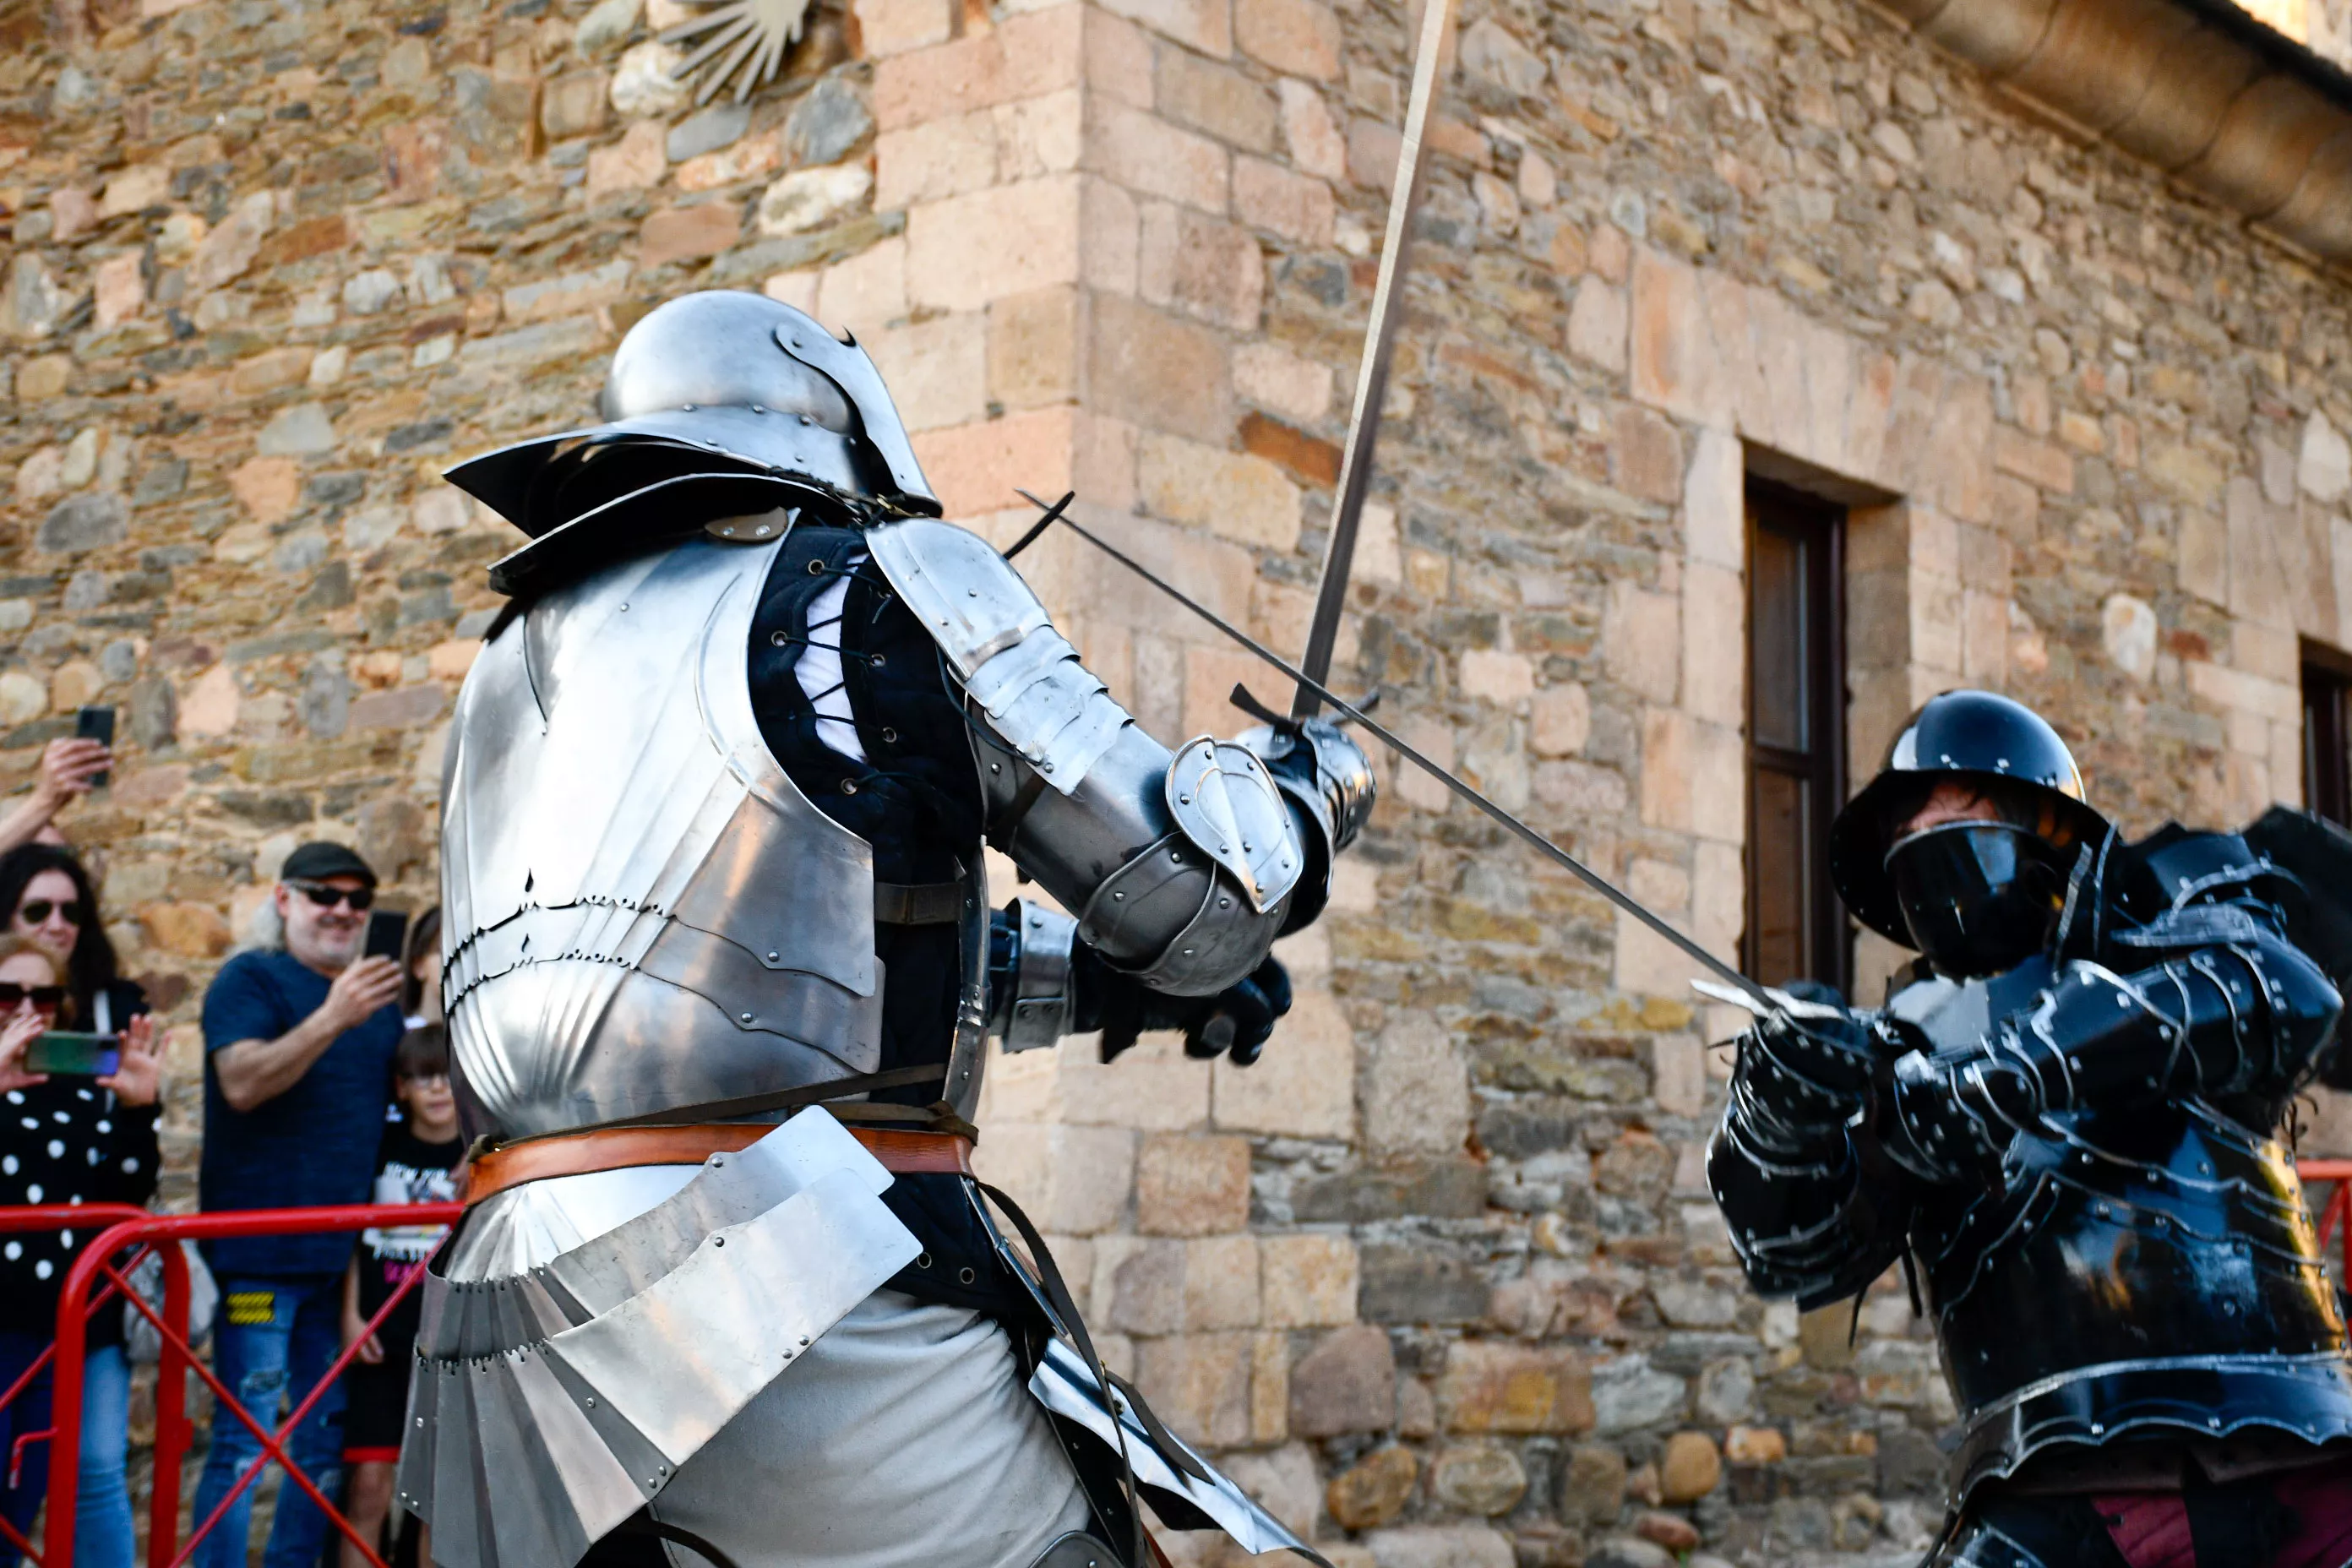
(416, 1164)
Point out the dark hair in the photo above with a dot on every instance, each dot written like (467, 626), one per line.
(92, 967)
(423, 935)
(422, 1052)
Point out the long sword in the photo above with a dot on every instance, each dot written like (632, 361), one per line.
(1373, 371)
(1765, 998)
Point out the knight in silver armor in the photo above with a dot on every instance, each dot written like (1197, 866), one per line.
(720, 972)
(2066, 1126)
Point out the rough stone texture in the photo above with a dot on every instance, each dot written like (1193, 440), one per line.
(1479, 1478)
(1370, 1493)
(1346, 1383)
(1689, 1468)
(273, 266)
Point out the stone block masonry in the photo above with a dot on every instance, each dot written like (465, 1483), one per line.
(1438, 1277)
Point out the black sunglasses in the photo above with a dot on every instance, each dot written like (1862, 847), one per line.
(34, 911)
(327, 898)
(46, 997)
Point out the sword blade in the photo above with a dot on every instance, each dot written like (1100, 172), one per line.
(1591, 879)
(1373, 371)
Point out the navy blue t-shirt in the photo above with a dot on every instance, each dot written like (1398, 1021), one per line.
(312, 1146)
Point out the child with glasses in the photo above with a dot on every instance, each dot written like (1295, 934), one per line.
(416, 1164)
(67, 1139)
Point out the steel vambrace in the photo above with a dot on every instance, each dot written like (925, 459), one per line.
(1182, 867)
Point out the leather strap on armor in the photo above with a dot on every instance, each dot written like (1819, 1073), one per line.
(902, 1152)
(919, 903)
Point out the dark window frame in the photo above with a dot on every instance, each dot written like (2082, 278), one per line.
(2325, 677)
(1820, 764)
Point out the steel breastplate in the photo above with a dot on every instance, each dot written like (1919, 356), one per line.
(641, 911)
(2148, 1271)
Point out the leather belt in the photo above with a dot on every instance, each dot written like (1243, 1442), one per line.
(919, 903)
(611, 1149)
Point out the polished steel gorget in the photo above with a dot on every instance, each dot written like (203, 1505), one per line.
(641, 909)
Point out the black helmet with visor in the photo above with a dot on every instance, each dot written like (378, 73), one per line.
(1976, 896)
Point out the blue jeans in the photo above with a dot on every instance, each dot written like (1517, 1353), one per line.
(28, 1412)
(273, 1340)
(102, 1532)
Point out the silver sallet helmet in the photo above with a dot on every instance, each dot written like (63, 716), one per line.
(720, 403)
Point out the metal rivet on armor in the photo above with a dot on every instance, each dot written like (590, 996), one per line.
(1115, 896)
(771, 957)
(1224, 903)
(757, 409)
(2097, 1427)
(717, 1241)
(1184, 800)
(685, 407)
(803, 1339)
(624, 608)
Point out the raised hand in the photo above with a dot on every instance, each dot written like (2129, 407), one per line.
(138, 1077)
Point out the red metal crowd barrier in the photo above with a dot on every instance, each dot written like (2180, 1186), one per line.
(2337, 1209)
(99, 1276)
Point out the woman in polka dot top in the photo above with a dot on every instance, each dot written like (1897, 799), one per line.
(64, 1139)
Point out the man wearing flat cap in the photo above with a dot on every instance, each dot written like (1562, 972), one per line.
(299, 1040)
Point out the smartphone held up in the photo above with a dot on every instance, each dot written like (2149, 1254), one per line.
(97, 724)
(73, 1054)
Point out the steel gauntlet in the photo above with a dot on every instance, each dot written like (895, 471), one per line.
(1329, 782)
(1797, 1083)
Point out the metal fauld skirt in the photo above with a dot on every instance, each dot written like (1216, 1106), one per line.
(553, 1399)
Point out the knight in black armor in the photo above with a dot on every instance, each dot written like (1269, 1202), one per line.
(2066, 1125)
(720, 973)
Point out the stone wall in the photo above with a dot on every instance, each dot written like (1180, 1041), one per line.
(1439, 1276)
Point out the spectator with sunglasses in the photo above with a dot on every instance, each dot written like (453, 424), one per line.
(67, 1139)
(298, 1044)
(47, 895)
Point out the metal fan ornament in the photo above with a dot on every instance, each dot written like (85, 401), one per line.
(744, 39)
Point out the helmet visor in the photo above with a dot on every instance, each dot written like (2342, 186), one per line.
(1976, 897)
